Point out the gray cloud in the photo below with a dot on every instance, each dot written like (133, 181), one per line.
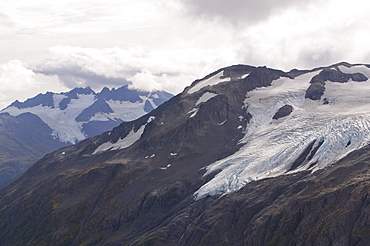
(74, 75)
(241, 12)
(115, 67)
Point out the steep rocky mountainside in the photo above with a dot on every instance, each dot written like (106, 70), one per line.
(47, 122)
(244, 156)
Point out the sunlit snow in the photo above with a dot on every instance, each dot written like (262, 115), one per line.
(271, 146)
(205, 97)
(125, 142)
(193, 112)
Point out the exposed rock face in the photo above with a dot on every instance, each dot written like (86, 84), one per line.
(315, 91)
(283, 111)
(143, 193)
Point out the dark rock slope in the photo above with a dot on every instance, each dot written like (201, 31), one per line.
(143, 194)
(24, 139)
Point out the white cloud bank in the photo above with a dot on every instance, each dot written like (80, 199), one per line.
(162, 69)
(14, 79)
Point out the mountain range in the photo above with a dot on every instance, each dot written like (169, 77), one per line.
(49, 121)
(244, 156)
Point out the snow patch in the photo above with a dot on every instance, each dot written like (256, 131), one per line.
(123, 143)
(150, 119)
(193, 112)
(164, 168)
(205, 97)
(244, 76)
(214, 80)
(223, 122)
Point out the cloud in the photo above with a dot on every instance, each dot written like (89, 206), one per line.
(14, 79)
(240, 12)
(160, 69)
(17, 82)
(145, 80)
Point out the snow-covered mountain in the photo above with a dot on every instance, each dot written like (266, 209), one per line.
(245, 156)
(59, 119)
(82, 113)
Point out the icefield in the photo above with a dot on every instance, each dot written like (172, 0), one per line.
(271, 147)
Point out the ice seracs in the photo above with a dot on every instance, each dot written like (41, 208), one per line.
(318, 133)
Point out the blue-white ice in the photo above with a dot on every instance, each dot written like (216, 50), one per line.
(271, 146)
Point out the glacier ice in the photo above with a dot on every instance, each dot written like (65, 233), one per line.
(272, 146)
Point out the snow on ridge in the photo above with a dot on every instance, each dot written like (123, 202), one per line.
(205, 97)
(272, 146)
(214, 80)
(122, 143)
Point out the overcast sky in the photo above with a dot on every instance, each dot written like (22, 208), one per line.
(166, 44)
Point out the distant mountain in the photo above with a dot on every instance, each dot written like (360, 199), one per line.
(245, 156)
(46, 122)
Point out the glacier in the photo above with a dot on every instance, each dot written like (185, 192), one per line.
(271, 147)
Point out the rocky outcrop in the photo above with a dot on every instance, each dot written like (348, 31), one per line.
(283, 112)
(317, 87)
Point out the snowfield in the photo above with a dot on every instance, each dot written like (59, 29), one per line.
(62, 122)
(271, 146)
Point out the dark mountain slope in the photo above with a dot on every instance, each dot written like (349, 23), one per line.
(24, 139)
